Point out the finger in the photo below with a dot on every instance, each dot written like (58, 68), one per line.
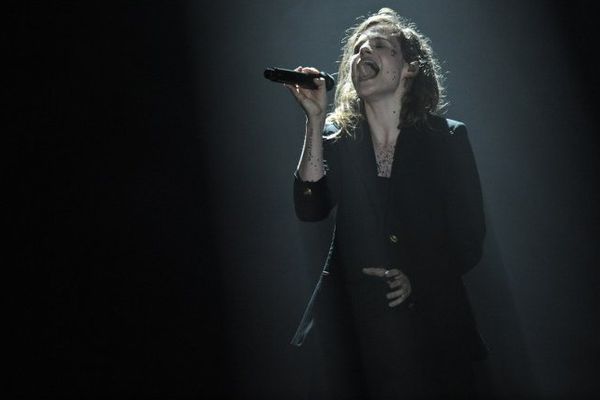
(289, 87)
(393, 272)
(398, 301)
(320, 82)
(371, 271)
(399, 277)
(294, 90)
(375, 271)
(299, 93)
(396, 283)
(310, 70)
(381, 272)
(398, 293)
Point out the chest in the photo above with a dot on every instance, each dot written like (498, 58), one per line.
(412, 201)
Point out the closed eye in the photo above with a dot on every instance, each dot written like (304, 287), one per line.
(377, 43)
(380, 44)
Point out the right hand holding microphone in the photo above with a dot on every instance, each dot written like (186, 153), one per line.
(314, 102)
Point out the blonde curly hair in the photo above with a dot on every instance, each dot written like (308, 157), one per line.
(426, 93)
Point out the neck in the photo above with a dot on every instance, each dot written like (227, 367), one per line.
(383, 116)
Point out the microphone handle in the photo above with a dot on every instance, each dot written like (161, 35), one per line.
(301, 79)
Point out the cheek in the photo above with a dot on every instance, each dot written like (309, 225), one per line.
(392, 75)
(352, 72)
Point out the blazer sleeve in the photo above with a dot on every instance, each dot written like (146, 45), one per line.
(464, 203)
(313, 201)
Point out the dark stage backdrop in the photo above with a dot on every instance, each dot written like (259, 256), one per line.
(153, 242)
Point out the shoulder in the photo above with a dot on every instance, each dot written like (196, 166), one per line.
(331, 131)
(455, 127)
(332, 134)
(445, 127)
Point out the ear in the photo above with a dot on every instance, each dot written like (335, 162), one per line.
(413, 69)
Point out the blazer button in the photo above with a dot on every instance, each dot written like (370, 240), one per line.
(411, 305)
(307, 191)
(393, 238)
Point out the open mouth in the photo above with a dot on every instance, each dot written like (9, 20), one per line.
(367, 69)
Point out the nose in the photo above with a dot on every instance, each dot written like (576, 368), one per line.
(365, 48)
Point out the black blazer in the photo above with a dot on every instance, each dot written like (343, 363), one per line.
(432, 227)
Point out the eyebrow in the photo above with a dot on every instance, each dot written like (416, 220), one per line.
(371, 37)
(377, 36)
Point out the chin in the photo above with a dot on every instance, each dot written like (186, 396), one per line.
(365, 92)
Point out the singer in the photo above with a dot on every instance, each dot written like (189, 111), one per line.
(390, 308)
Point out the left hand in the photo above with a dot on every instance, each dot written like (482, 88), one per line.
(395, 279)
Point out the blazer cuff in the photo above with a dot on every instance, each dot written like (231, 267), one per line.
(311, 199)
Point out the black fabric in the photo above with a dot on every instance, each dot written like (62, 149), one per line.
(432, 229)
(383, 192)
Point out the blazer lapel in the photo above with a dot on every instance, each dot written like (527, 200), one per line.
(364, 164)
(409, 160)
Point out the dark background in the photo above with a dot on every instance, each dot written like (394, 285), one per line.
(151, 231)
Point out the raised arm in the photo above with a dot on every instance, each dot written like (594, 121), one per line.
(314, 104)
(312, 195)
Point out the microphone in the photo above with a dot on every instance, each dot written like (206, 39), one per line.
(301, 79)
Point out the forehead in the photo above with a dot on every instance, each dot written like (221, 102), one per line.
(379, 32)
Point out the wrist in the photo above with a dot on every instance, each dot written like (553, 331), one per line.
(316, 122)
